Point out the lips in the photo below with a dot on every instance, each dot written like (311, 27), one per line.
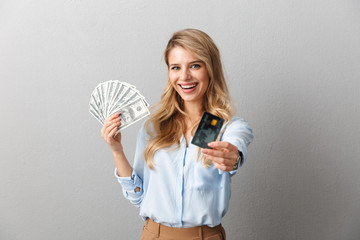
(188, 86)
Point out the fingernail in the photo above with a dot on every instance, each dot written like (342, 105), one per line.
(204, 151)
(211, 144)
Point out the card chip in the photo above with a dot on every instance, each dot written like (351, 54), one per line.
(207, 130)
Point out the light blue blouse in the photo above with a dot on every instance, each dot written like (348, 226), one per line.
(180, 191)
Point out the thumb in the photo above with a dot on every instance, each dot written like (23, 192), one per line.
(117, 135)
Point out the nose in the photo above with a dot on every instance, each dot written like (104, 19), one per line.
(185, 74)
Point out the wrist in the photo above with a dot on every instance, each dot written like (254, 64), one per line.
(118, 154)
(239, 161)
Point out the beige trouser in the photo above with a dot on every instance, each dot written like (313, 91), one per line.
(153, 230)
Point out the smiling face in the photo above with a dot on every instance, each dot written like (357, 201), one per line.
(188, 75)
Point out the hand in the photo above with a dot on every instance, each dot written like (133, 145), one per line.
(224, 155)
(108, 131)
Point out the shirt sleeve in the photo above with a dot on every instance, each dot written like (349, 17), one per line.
(240, 134)
(132, 187)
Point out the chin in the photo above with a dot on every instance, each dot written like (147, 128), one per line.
(193, 97)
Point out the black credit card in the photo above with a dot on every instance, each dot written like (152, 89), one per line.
(207, 130)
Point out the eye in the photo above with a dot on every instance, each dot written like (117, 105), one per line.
(175, 68)
(195, 66)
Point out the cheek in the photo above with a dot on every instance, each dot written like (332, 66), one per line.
(205, 80)
(173, 83)
(172, 79)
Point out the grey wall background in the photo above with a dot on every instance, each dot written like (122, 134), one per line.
(293, 69)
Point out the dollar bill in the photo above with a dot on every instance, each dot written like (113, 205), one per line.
(114, 96)
(132, 113)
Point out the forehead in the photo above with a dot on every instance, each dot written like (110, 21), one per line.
(179, 55)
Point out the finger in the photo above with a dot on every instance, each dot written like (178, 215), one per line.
(117, 137)
(226, 158)
(219, 153)
(223, 161)
(108, 123)
(232, 156)
(111, 134)
(220, 160)
(111, 121)
(109, 137)
(112, 126)
(220, 144)
(108, 129)
(115, 115)
(102, 131)
(222, 167)
(117, 134)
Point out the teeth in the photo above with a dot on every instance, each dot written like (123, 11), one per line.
(188, 86)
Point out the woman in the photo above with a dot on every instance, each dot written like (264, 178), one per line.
(183, 191)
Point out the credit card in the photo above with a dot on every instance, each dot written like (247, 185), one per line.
(207, 130)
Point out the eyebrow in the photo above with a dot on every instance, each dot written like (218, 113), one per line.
(192, 62)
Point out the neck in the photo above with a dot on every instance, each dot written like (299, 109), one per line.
(193, 111)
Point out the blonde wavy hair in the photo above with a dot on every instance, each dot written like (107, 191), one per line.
(166, 124)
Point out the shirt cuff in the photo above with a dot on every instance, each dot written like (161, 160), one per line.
(232, 172)
(131, 184)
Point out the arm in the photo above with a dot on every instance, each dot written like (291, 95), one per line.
(234, 142)
(129, 178)
(107, 132)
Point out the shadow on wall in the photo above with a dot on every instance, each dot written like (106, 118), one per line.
(308, 178)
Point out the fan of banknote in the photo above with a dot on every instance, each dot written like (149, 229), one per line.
(114, 96)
